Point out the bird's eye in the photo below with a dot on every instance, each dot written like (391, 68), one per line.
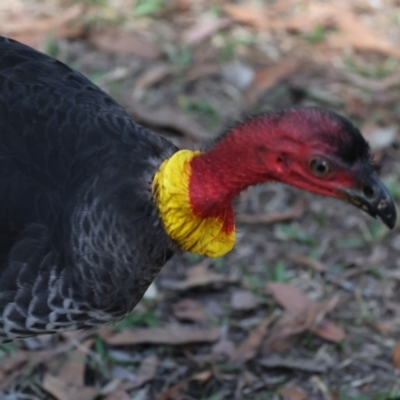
(320, 167)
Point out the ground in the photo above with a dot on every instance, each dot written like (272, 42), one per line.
(307, 304)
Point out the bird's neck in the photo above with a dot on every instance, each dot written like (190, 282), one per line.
(194, 190)
(220, 174)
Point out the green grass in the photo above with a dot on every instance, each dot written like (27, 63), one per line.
(278, 273)
(200, 107)
(146, 8)
(146, 319)
(294, 232)
(180, 57)
(317, 35)
(389, 394)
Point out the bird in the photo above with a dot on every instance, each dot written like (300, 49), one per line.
(92, 204)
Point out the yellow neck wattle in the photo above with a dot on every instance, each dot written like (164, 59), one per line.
(201, 235)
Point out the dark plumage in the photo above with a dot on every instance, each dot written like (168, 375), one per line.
(75, 197)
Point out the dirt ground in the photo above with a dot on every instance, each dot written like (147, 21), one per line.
(307, 305)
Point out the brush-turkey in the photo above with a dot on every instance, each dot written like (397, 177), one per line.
(92, 205)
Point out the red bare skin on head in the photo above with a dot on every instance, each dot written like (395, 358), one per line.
(272, 147)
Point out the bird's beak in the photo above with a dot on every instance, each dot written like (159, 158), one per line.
(373, 197)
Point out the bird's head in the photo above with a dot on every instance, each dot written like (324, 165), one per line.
(311, 148)
(321, 152)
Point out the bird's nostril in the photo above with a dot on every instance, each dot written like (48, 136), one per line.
(369, 192)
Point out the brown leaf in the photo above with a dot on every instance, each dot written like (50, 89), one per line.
(297, 364)
(201, 70)
(249, 347)
(203, 29)
(308, 262)
(292, 393)
(63, 390)
(288, 296)
(294, 212)
(42, 24)
(172, 393)
(69, 382)
(14, 366)
(169, 117)
(172, 335)
(243, 300)
(152, 76)
(200, 270)
(359, 35)
(200, 276)
(384, 327)
(73, 370)
(118, 395)
(248, 14)
(146, 372)
(119, 42)
(396, 355)
(303, 314)
(268, 77)
(329, 331)
(33, 30)
(224, 347)
(189, 310)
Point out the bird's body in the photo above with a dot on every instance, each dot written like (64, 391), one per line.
(74, 236)
(84, 227)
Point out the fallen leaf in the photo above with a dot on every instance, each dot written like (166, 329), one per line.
(145, 373)
(63, 390)
(201, 70)
(14, 366)
(294, 212)
(288, 296)
(172, 336)
(243, 300)
(359, 35)
(303, 314)
(118, 395)
(120, 42)
(152, 76)
(351, 31)
(203, 29)
(249, 347)
(373, 84)
(200, 276)
(292, 393)
(34, 30)
(41, 24)
(224, 347)
(396, 355)
(188, 310)
(296, 364)
(308, 262)
(183, 5)
(171, 393)
(169, 117)
(384, 328)
(73, 370)
(267, 78)
(11, 367)
(199, 270)
(69, 381)
(248, 14)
